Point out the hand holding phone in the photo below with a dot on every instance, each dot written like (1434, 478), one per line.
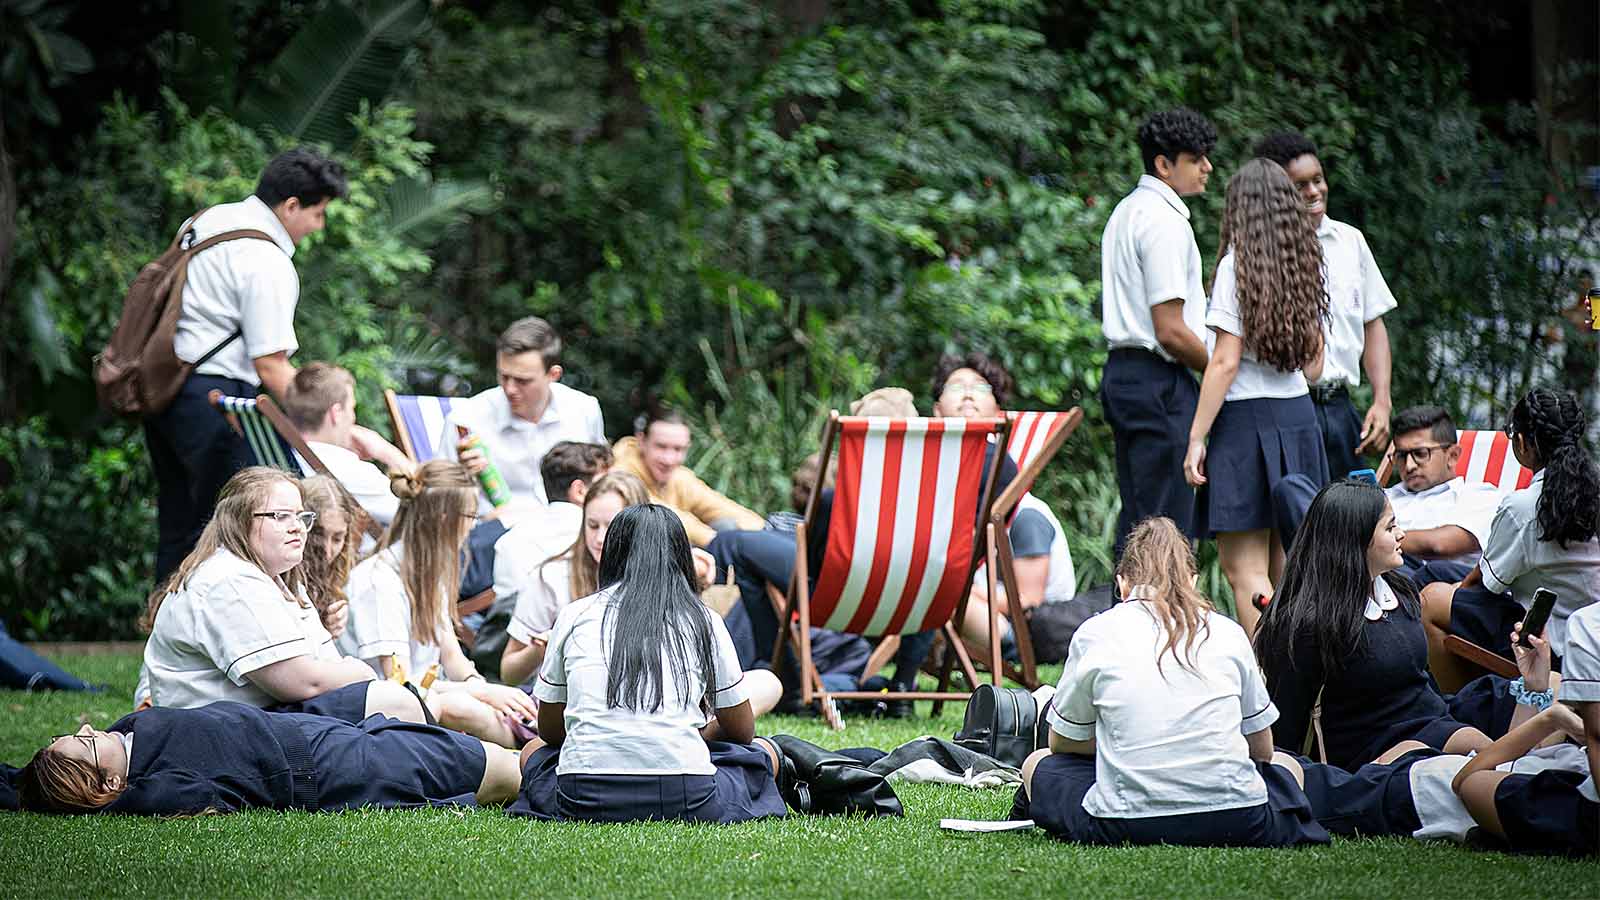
(1367, 475)
(1592, 301)
(1544, 600)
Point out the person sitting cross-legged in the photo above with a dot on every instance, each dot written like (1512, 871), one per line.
(656, 454)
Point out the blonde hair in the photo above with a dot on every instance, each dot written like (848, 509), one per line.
(583, 576)
(229, 529)
(438, 503)
(1158, 557)
(315, 388)
(58, 783)
(325, 577)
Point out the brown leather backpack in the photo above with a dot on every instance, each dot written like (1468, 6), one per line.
(139, 373)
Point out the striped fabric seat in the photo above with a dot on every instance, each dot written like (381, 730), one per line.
(418, 421)
(267, 446)
(900, 542)
(1486, 457)
(1031, 431)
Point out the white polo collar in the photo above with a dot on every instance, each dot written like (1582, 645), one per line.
(1436, 490)
(507, 420)
(1166, 192)
(1382, 600)
(270, 223)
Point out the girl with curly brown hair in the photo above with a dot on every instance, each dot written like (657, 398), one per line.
(1268, 304)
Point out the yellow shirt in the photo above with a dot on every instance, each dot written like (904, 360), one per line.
(695, 502)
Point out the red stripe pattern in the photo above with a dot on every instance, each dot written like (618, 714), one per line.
(1031, 430)
(901, 537)
(1486, 457)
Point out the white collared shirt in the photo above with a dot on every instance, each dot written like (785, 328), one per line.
(1382, 600)
(227, 621)
(1580, 669)
(606, 740)
(364, 480)
(380, 617)
(1515, 560)
(1255, 379)
(516, 446)
(246, 285)
(1168, 740)
(1440, 810)
(525, 572)
(1470, 507)
(1357, 294)
(1148, 256)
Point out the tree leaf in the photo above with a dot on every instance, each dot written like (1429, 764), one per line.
(340, 58)
(421, 209)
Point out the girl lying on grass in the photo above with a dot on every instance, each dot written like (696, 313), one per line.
(403, 611)
(628, 678)
(227, 756)
(1161, 729)
(233, 622)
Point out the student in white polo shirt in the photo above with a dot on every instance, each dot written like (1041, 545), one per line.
(1542, 536)
(1358, 298)
(322, 405)
(1161, 729)
(1154, 320)
(233, 624)
(237, 324)
(530, 412)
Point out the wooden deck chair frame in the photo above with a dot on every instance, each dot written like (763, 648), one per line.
(795, 615)
(1458, 646)
(997, 543)
(286, 430)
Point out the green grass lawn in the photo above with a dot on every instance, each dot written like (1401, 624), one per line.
(434, 853)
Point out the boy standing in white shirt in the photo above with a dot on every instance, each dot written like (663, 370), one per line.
(237, 323)
(1358, 297)
(1154, 321)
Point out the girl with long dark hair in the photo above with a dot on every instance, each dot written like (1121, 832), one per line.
(1161, 730)
(1254, 424)
(628, 678)
(1345, 631)
(1541, 536)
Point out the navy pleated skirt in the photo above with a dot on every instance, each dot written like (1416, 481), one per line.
(1544, 813)
(1062, 779)
(1253, 445)
(743, 788)
(1486, 704)
(347, 704)
(1486, 619)
(1372, 801)
(388, 763)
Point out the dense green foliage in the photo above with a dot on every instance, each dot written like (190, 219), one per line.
(753, 211)
(449, 852)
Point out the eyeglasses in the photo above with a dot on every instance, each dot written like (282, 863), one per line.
(283, 517)
(1419, 455)
(94, 751)
(972, 389)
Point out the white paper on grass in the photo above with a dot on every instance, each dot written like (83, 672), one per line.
(980, 825)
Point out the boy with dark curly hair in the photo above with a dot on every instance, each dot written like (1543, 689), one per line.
(1154, 320)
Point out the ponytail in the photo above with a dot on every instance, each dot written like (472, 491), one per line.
(1159, 563)
(1553, 423)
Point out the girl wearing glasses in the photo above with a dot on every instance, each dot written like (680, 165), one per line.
(403, 612)
(233, 623)
(1541, 536)
(230, 756)
(1255, 424)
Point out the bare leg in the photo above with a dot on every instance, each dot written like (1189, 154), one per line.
(1246, 558)
(469, 715)
(1291, 765)
(764, 689)
(393, 700)
(1477, 794)
(1275, 565)
(502, 776)
(1398, 750)
(1029, 765)
(1467, 740)
(1449, 670)
(773, 756)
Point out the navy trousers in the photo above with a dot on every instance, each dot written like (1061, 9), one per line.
(194, 452)
(1341, 433)
(1150, 404)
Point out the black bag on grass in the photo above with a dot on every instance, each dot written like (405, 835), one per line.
(822, 782)
(1003, 723)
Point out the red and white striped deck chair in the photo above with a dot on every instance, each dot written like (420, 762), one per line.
(902, 541)
(1486, 457)
(1035, 438)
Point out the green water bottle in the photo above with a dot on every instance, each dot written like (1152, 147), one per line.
(494, 484)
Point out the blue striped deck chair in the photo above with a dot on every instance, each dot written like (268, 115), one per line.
(418, 422)
(273, 441)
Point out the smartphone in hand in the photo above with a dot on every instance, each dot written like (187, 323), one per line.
(1367, 475)
(1544, 600)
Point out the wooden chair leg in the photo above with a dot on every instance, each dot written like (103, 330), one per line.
(881, 655)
